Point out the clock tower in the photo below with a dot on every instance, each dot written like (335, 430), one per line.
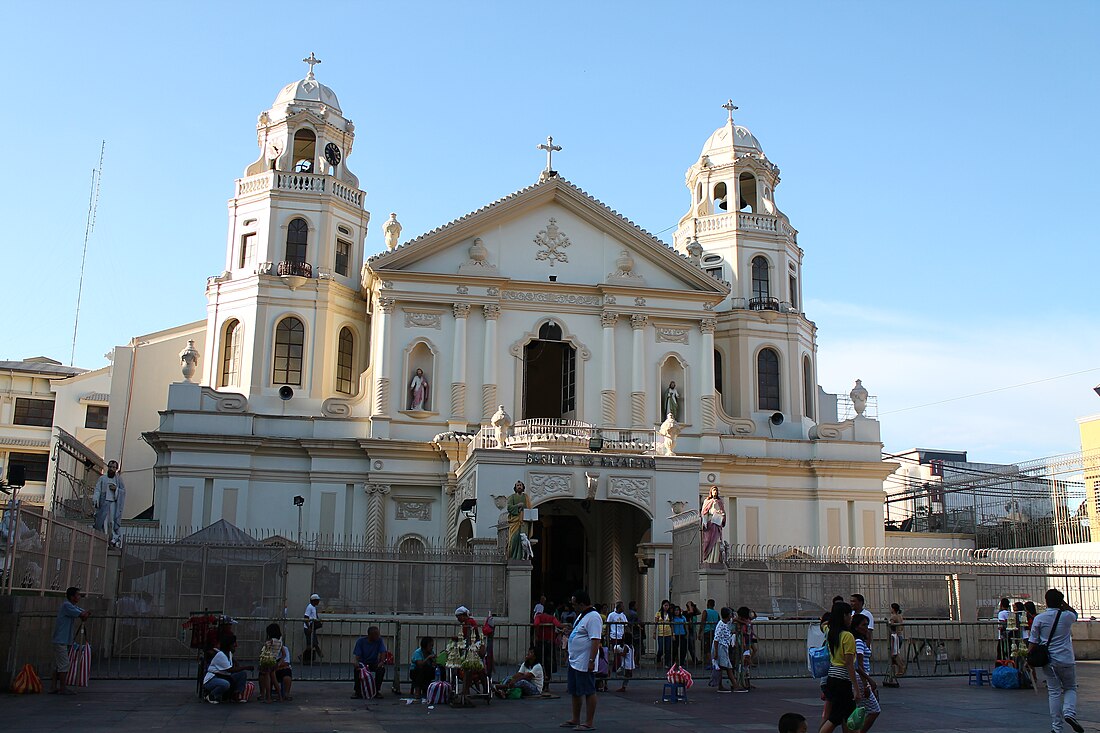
(286, 324)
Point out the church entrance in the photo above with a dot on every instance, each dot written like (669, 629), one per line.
(549, 375)
(587, 544)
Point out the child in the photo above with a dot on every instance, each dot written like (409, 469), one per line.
(270, 655)
(624, 658)
(792, 723)
(863, 670)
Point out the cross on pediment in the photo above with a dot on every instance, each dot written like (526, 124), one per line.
(312, 61)
(729, 106)
(550, 148)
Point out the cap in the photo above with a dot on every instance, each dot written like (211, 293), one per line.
(315, 597)
(462, 610)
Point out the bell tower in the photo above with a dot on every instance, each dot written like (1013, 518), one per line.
(286, 325)
(765, 348)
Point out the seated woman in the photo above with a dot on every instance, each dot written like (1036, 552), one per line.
(284, 675)
(422, 667)
(224, 677)
(528, 679)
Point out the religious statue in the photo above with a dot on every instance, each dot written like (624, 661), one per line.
(189, 359)
(502, 421)
(419, 391)
(713, 518)
(859, 397)
(392, 230)
(517, 503)
(592, 483)
(670, 430)
(672, 400)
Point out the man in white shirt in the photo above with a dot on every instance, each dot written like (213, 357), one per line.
(310, 624)
(616, 626)
(584, 645)
(540, 607)
(529, 678)
(856, 601)
(1061, 673)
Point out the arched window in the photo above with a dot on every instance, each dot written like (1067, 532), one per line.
(808, 386)
(411, 545)
(290, 338)
(297, 237)
(767, 380)
(747, 183)
(761, 287)
(345, 359)
(550, 331)
(720, 197)
(231, 354)
(305, 151)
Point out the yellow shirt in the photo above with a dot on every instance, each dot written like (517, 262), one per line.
(664, 628)
(847, 646)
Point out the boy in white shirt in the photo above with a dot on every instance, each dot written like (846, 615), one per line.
(624, 657)
(529, 678)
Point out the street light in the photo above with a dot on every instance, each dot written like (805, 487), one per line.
(299, 501)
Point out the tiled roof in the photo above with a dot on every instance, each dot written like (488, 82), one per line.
(45, 368)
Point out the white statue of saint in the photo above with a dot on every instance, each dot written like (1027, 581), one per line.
(592, 483)
(419, 391)
(670, 430)
(672, 400)
(502, 421)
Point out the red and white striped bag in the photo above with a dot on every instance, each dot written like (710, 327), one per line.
(80, 662)
(249, 690)
(439, 693)
(677, 675)
(366, 683)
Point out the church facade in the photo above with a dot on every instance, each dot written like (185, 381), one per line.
(543, 338)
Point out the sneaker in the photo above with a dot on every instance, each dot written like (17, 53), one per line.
(725, 691)
(212, 700)
(1072, 722)
(742, 689)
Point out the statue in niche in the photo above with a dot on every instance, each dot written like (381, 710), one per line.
(713, 518)
(419, 391)
(592, 484)
(502, 421)
(670, 430)
(672, 400)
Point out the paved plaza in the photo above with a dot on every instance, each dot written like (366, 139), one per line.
(935, 705)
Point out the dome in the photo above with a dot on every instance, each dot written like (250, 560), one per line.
(718, 143)
(308, 91)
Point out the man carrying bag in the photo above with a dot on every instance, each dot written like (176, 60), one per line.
(1055, 656)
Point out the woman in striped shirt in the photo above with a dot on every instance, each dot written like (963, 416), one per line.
(863, 669)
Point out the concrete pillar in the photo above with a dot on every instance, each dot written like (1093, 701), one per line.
(713, 583)
(457, 421)
(607, 387)
(706, 369)
(519, 591)
(965, 607)
(638, 322)
(489, 363)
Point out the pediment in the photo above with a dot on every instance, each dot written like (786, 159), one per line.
(550, 229)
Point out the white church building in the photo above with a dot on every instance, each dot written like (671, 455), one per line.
(367, 384)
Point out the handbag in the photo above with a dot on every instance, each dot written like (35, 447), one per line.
(1039, 655)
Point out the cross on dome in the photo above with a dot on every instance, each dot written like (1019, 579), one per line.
(312, 61)
(729, 106)
(550, 148)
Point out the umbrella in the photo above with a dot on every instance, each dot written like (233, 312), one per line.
(80, 661)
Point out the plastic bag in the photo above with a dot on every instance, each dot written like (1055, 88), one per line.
(817, 659)
(1005, 678)
(27, 681)
(857, 718)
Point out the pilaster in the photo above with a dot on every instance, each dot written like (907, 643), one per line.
(638, 322)
(608, 320)
(457, 420)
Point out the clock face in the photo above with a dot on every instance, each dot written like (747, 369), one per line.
(332, 154)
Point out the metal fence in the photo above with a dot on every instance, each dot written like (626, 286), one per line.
(41, 552)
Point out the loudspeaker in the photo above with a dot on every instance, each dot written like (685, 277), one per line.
(17, 475)
(777, 418)
(285, 392)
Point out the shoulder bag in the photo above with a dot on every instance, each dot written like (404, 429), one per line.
(1039, 655)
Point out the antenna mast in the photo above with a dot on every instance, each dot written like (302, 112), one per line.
(89, 225)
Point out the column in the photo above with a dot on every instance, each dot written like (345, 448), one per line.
(376, 514)
(706, 389)
(458, 366)
(638, 322)
(489, 367)
(382, 381)
(607, 393)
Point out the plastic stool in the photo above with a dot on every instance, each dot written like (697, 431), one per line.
(979, 677)
(674, 693)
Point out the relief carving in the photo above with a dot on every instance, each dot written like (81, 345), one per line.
(545, 485)
(671, 335)
(567, 298)
(417, 509)
(634, 490)
(554, 240)
(422, 320)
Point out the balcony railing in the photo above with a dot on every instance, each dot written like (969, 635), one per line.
(740, 221)
(295, 268)
(551, 433)
(764, 304)
(304, 182)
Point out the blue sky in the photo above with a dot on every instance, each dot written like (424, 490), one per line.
(938, 159)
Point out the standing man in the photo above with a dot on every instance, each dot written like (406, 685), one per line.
(1061, 672)
(539, 607)
(310, 625)
(584, 645)
(856, 601)
(370, 652)
(616, 626)
(547, 628)
(63, 638)
(636, 630)
(109, 500)
(709, 619)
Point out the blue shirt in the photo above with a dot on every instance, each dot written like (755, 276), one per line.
(710, 619)
(63, 628)
(678, 626)
(367, 651)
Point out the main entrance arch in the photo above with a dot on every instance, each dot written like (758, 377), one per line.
(591, 545)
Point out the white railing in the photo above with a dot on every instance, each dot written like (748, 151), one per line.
(717, 223)
(757, 222)
(307, 182)
(547, 433)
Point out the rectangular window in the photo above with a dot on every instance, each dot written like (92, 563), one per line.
(248, 250)
(34, 465)
(343, 256)
(794, 292)
(96, 417)
(34, 412)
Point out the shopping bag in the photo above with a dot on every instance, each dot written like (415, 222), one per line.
(366, 683)
(677, 675)
(249, 690)
(601, 662)
(27, 681)
(80, 662)
(817, 659)
(439, 693)
(857, 718)
(1005, 678)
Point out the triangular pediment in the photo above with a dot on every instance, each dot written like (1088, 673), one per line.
(550, 229)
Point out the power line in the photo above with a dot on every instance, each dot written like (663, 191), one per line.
(990, 391)
(89, 225)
